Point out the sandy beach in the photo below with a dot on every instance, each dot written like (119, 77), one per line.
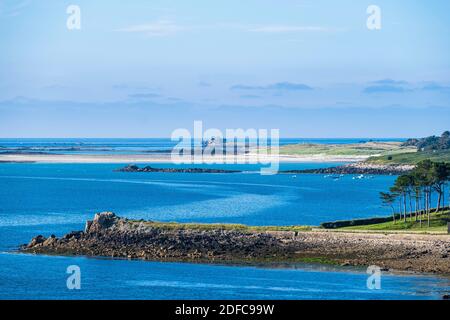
(165, 158)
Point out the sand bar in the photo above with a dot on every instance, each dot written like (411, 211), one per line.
(144, 158)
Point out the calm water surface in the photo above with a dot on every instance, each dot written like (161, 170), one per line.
(57, 198)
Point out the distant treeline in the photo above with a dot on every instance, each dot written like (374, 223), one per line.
(430, 143)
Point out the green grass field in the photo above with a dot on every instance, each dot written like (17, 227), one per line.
(438, 223)
(378, 152)
(354, 149)
(412, 158)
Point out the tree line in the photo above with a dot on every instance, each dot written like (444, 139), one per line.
(412, 192)
(431, 143)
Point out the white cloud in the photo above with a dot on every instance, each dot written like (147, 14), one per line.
(158, 28)
(288, 29)
(166, 27)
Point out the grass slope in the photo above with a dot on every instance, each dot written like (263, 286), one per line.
(353, 149)
(438, 223)
(412, 158)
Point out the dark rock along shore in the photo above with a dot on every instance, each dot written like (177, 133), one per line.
(353, 168)
(111, 236)
(134, 168)
(358, 168)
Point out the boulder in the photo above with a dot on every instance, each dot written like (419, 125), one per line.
(50, 241)
(73, 234)
(103, 220)
(36, 240)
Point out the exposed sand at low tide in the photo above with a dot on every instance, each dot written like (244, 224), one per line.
(143, 158)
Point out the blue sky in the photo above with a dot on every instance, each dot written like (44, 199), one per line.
(145, 68)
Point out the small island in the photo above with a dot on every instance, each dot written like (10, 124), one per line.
(135, 168)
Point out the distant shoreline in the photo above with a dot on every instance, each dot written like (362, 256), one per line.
(355, 165)
(143, 158)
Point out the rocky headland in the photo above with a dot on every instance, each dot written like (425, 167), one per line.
(108, 235)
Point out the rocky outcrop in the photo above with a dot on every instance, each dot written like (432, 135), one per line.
(101, 222)
(359, 168)
(134, 168)
(111, 236)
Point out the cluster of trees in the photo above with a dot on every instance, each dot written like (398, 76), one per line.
(412, 192)
(431, 143)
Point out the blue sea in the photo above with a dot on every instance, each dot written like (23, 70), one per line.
(58, 198)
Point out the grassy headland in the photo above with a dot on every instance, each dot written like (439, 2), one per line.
(434, 148)
(352, 149)
(411, 152)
